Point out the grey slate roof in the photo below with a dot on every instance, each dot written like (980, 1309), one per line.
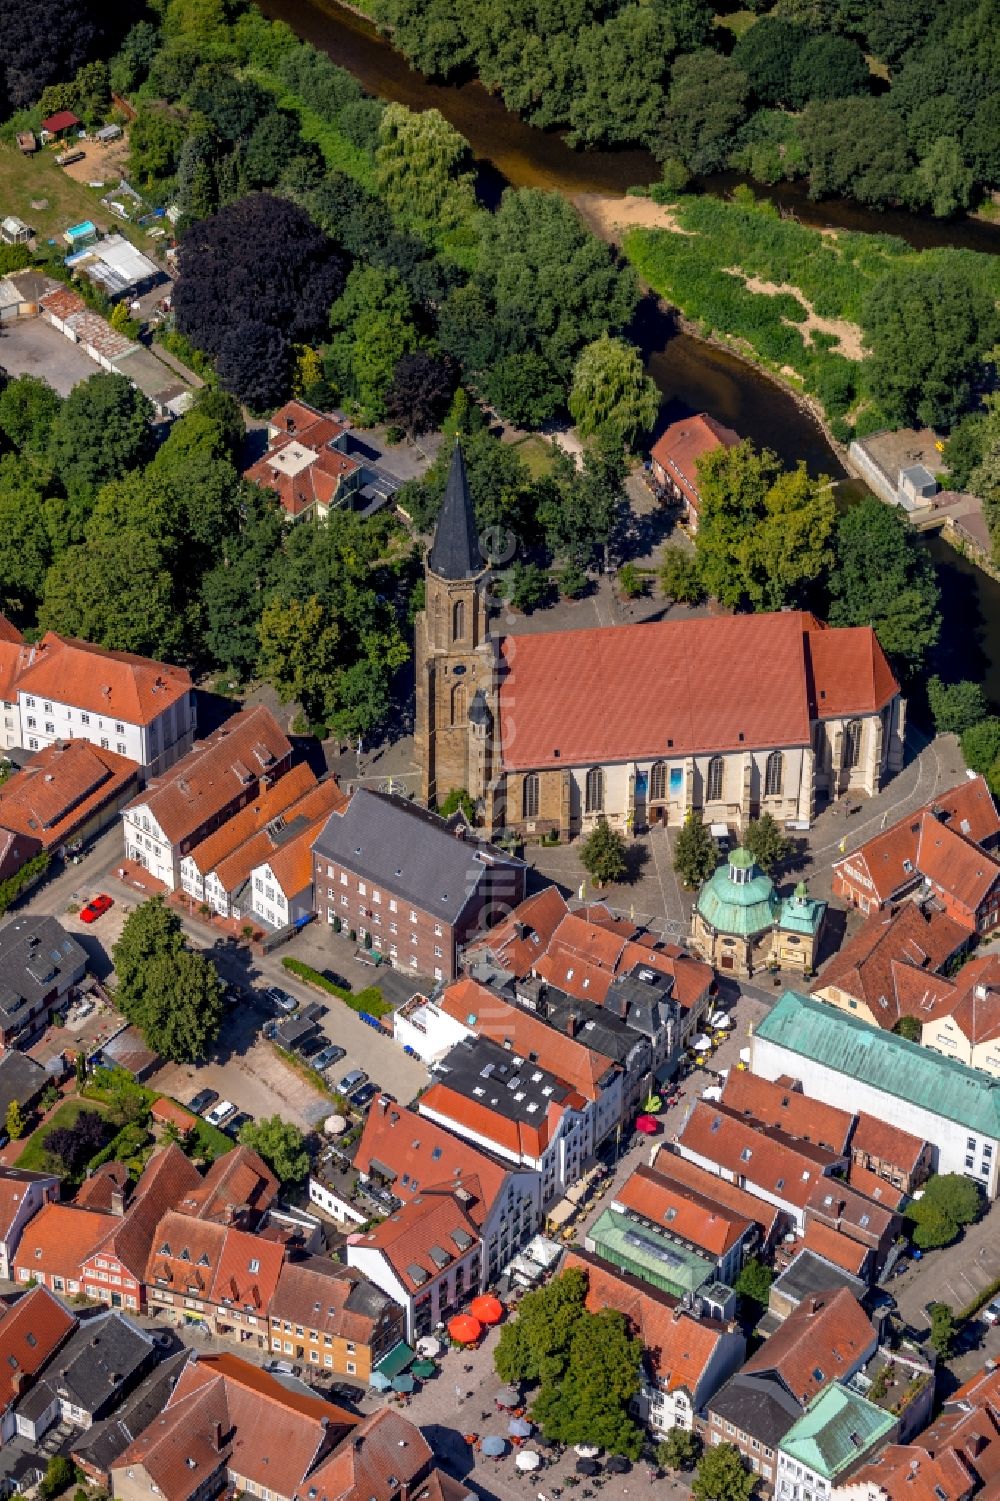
(101, 1445)
(408, 851)
(759, 1405)
(37, 958)
(455, 552)
(97, 1364)
(21, 1078)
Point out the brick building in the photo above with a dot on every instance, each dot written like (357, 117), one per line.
(675, 454)
(413, 884)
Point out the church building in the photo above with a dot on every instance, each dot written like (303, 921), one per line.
(729, 715)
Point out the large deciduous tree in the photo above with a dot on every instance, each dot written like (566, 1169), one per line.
(827, 67)
(421, 391)
(882, 577)
(705, 105)
(612, 396)
(259, 270)
(99, 433)
(766, 53)
(44, 42)
(928, 329)
(281, 1145)
(170, 992)
(423, 168)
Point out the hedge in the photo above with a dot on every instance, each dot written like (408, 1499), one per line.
(12, 888)
(370, 999)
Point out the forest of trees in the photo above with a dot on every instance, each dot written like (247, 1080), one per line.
(886, 101)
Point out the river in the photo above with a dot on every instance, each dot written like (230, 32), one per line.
(691, 374)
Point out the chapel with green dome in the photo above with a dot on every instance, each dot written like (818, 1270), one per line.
(740, 924)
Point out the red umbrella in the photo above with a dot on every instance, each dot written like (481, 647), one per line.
(487, 1309)
(647, 1124)
(465, 1329)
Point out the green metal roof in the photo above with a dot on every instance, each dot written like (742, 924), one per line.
(837, 1429)
(649, 1255)
(740, 907)
(940, 1085)
(800, 913)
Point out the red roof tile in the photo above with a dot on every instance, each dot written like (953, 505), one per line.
(166, 1178)
(231, 763)
(691, 1175)
(14, 1184)
(238, 1181)
(908, 1471)
(683, 443)
(384, 1457)
(973, 1001)
(956, 866)
(214, 851)
(678, 1347)
(61, 788)
(300, 465)
(825, 1338)
(968, 808)
(117, 684)
(764, 1158)
(504, 1134)
(317, 1294)
(848, 1254)
(417, 1148)
(438, 1220)
(687, 1214)
(723, 683)
(31, 1330)
(517, 942)
(788, 1110)
(879, 1190)
(60, 1238)
(877, 1138)
(890, 964)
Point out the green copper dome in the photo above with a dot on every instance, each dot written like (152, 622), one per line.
(739, 899)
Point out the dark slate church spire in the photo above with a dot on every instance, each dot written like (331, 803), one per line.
(455, 553)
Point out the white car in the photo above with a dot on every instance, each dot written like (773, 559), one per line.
(220, 1113)
(991, 1313)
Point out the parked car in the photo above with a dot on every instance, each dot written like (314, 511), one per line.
(236, 1123)
(202, 1100)
(279, 1367)
(330, 1055)
(352, 1081)
(362, 1098)
(281, 998)
(991, 1313)
(96, 908)
(221, 1113)
(310, 1046)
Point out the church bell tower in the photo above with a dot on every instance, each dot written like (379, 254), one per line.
(455, 673)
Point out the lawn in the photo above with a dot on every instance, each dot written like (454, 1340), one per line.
(27, 179)
(33, 1158)
(537, 455)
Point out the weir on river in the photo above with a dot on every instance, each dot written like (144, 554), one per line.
(690, 374)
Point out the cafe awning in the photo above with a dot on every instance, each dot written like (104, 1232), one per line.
(384, 1172)
(397, 1360)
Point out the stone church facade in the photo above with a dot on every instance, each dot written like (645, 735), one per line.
(729, 716)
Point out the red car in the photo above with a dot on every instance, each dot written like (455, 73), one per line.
(95, 909)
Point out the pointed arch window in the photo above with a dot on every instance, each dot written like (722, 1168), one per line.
(773, 774)
(595, 790)
(713, 782)
(458, 620)
(529, 796)
(852, 744)
(458, 703)
(658, 781)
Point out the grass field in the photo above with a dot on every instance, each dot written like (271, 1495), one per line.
(537, 455)
(24, 179)
(33, 1158)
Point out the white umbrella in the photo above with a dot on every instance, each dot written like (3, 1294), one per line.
(528, 1460)
(587, 1451)
(713, 1092)
(720, 1020)
(702, 1044)
(334, 1125)
(744, 1055)
(428, 1346)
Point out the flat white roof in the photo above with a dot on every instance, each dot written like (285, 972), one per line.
(292, 458)
(121, 255)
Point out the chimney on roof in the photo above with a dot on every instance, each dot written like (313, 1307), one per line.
(217, 1437)
(118, 1201)
(572, 1023)
(290, 424)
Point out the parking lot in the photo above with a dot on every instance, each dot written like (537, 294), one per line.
(33, 347)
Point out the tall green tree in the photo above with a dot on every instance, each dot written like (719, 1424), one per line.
(767, 842)
(618, 96)
(100, 432)
(723, 1475)
(423, 168)
(882, 577)
(590, 1404)
(611, 395)
(28, 407)
(172, 994)
(535, 1347)
(928, 329)
(602, 854)
(706, 104)
(373, 329)
(955, 706)
(281, 1144)
(696, 853)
